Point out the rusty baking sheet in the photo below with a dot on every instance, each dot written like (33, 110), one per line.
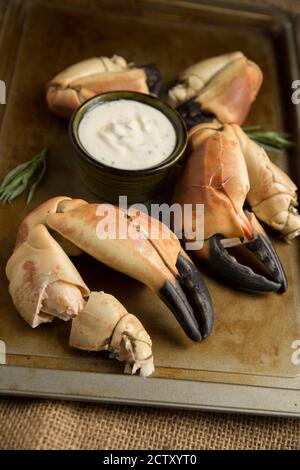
(246, 364)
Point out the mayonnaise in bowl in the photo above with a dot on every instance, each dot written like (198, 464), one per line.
(127, 134)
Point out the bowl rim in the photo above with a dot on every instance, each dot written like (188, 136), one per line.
(173, 116)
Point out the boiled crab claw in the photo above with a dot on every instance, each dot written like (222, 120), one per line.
(44, 284)
(135, 244)
(81, 81)
(272, 195)
(216, 176)
(159, 263)
(221, 87)
(105, 325)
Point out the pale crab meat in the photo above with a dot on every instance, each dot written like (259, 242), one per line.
(62, 300)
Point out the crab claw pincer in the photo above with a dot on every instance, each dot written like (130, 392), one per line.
(140, 246)
(221, 87)
(81, 81)
(216, 176)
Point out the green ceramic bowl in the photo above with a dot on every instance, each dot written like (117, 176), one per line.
(138, 185)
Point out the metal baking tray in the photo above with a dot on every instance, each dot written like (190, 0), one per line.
(246, 365)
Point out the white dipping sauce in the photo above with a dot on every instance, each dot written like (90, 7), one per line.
(127, 134)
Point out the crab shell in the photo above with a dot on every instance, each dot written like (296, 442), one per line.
(130, 242)
(79, 82)
(104, 324)
(44, 284)
(42, 276)
(224, 86)
(215, 175)
(224, 169)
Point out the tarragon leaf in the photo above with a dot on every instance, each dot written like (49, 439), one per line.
(18, 179)
(270, 139)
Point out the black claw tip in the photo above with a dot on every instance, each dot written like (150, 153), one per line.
(175, 299)
(193, 114)
(237, 274)
(154, 80)
(264, 250)
(197, 293)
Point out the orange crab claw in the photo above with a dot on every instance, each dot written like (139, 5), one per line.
(79, 82)
(272, 195)
(143, 254)
(222, 87)
(216, 176)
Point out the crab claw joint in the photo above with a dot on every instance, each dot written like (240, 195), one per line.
(43, 282)
(104, 324)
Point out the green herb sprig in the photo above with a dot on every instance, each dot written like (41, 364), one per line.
(18, 179)
(270, 139)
